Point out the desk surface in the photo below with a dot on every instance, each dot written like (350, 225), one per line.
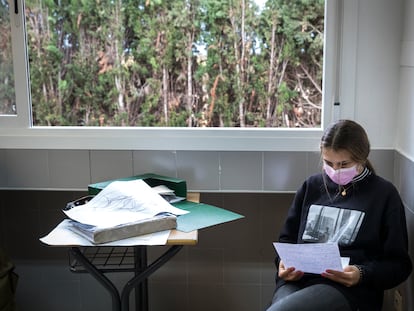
(185, 238)
(182, 238)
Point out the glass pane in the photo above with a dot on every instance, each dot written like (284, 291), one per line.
(7, 93)
(183, 63)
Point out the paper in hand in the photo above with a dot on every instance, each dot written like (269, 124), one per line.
(311, 257)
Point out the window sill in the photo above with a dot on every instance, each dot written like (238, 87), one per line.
(207, 139)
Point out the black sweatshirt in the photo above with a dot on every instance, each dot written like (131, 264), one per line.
(367, 220)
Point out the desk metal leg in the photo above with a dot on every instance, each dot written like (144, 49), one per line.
(116, 301)
(140, 280)
(141, 288)
(143, 274)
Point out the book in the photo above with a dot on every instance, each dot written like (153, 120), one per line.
(120, 203)
(97, 235)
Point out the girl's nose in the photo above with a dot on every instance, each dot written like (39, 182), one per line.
(336, 166)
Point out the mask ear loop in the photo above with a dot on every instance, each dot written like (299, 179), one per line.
(324, 177)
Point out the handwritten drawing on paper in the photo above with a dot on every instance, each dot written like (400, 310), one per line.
(122, 202)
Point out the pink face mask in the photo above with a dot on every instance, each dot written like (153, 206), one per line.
(341, 176)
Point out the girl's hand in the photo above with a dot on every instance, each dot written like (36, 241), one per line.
(349, 277)
(289, 274)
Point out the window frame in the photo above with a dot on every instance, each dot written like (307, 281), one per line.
(17, 132)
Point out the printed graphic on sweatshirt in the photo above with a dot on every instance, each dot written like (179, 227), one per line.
(332, 224)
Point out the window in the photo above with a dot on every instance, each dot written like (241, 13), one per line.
(15, 105)
(71, 101)
(7, 91)
(176, 63)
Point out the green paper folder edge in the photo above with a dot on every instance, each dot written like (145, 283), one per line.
(200, 215)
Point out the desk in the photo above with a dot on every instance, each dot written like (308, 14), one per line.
(128, 261)
(133, 258)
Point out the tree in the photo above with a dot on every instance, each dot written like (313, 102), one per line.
(296, 61)
(7, 91)
(192, 63)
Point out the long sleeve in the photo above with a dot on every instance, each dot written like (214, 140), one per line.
(311, 191)
(289, 232)
(393, 265)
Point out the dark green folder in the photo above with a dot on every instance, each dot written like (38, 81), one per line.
(202, 215)
(178, 185)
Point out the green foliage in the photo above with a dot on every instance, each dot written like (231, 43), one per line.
(128, 62)
(7, 91)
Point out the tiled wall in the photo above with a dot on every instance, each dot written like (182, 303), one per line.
(203, 170)
(404, 180)
(232, 263)
(231, 268)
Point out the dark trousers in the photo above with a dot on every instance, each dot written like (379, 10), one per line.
(320, 297)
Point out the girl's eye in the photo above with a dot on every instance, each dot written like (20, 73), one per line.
(339, 165)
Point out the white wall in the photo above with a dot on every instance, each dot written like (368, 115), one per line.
(405, 133)
(370, 67)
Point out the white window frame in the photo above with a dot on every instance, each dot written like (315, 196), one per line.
(16, 131)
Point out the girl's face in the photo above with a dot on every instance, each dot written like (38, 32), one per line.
(339, 159)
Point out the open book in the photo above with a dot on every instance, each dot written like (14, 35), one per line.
(121, 210)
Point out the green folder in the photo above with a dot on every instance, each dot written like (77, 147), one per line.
(178, 185)
(202, 215)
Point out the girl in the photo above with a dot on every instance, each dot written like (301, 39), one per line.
(350, 205)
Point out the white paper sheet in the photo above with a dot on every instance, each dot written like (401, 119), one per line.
(63, 236)
(122, 202)
(310, 257)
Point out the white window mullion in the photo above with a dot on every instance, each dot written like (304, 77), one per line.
(22, 118)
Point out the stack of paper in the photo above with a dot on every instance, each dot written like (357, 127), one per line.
(168, 194)
(121, 210)
(311, 257)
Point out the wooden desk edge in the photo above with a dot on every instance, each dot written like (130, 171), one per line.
(182, 238)
(185, 238)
